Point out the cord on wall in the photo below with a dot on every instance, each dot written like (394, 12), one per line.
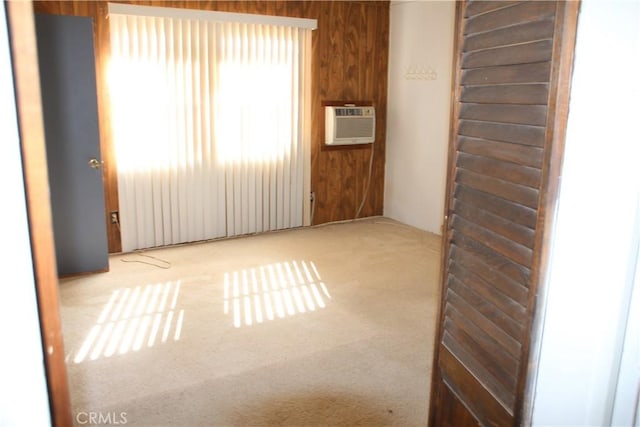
(366, 191)
(313, 207)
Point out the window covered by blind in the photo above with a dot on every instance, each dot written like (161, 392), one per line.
(211, 123)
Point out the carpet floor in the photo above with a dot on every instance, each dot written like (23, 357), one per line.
(329, 325)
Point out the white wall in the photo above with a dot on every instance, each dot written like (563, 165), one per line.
(626, 399)
(23, 390)
(597, 233)
(421, 35)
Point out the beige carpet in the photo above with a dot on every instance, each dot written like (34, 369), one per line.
(330, 325)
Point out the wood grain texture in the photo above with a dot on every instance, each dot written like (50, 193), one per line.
(535, 115)
(481, 6)
(489, 292)
(349, 61)
(515, 153)
(500, 244)
(532, 93)
(520, 13)
(498, 264)
(490, 311)
(484, 331)
(481, 403)
(452, 412)
(34, 157)
(474, 213)
(506, 209)
(519, 73)
(471, 261)
(519, 194)
(536, 30)
(506, 171)
(512, 86)
(477, 360)
(516, 133)
(524, 53)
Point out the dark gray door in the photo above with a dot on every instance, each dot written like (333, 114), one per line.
(69, 103)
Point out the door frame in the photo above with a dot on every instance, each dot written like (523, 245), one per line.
(26, 73)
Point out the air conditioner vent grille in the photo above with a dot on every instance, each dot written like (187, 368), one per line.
(355, 127)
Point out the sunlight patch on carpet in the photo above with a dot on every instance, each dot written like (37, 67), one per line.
(268, 292)
(132, 319)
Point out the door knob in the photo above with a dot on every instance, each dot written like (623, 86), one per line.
(95, 163)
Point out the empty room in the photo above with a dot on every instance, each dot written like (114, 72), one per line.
(303, 213)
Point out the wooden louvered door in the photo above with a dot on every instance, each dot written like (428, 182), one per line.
(513, 66)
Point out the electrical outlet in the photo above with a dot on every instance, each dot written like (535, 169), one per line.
(115, 217)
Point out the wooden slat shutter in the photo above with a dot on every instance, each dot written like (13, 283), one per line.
(513, 62)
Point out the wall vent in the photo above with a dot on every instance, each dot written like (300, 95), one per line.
(350, 125)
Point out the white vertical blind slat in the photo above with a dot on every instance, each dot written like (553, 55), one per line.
(182, 142)
(221, 218)
(172, 121)
(163, 179)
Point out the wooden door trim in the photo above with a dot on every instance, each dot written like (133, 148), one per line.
(456, 74)
(28, 102)
(557, 117)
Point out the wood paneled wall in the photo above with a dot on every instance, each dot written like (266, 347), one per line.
(350, 57)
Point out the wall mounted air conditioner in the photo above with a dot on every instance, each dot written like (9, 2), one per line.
(349, 125)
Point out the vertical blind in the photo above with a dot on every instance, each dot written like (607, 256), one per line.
(211, 125)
